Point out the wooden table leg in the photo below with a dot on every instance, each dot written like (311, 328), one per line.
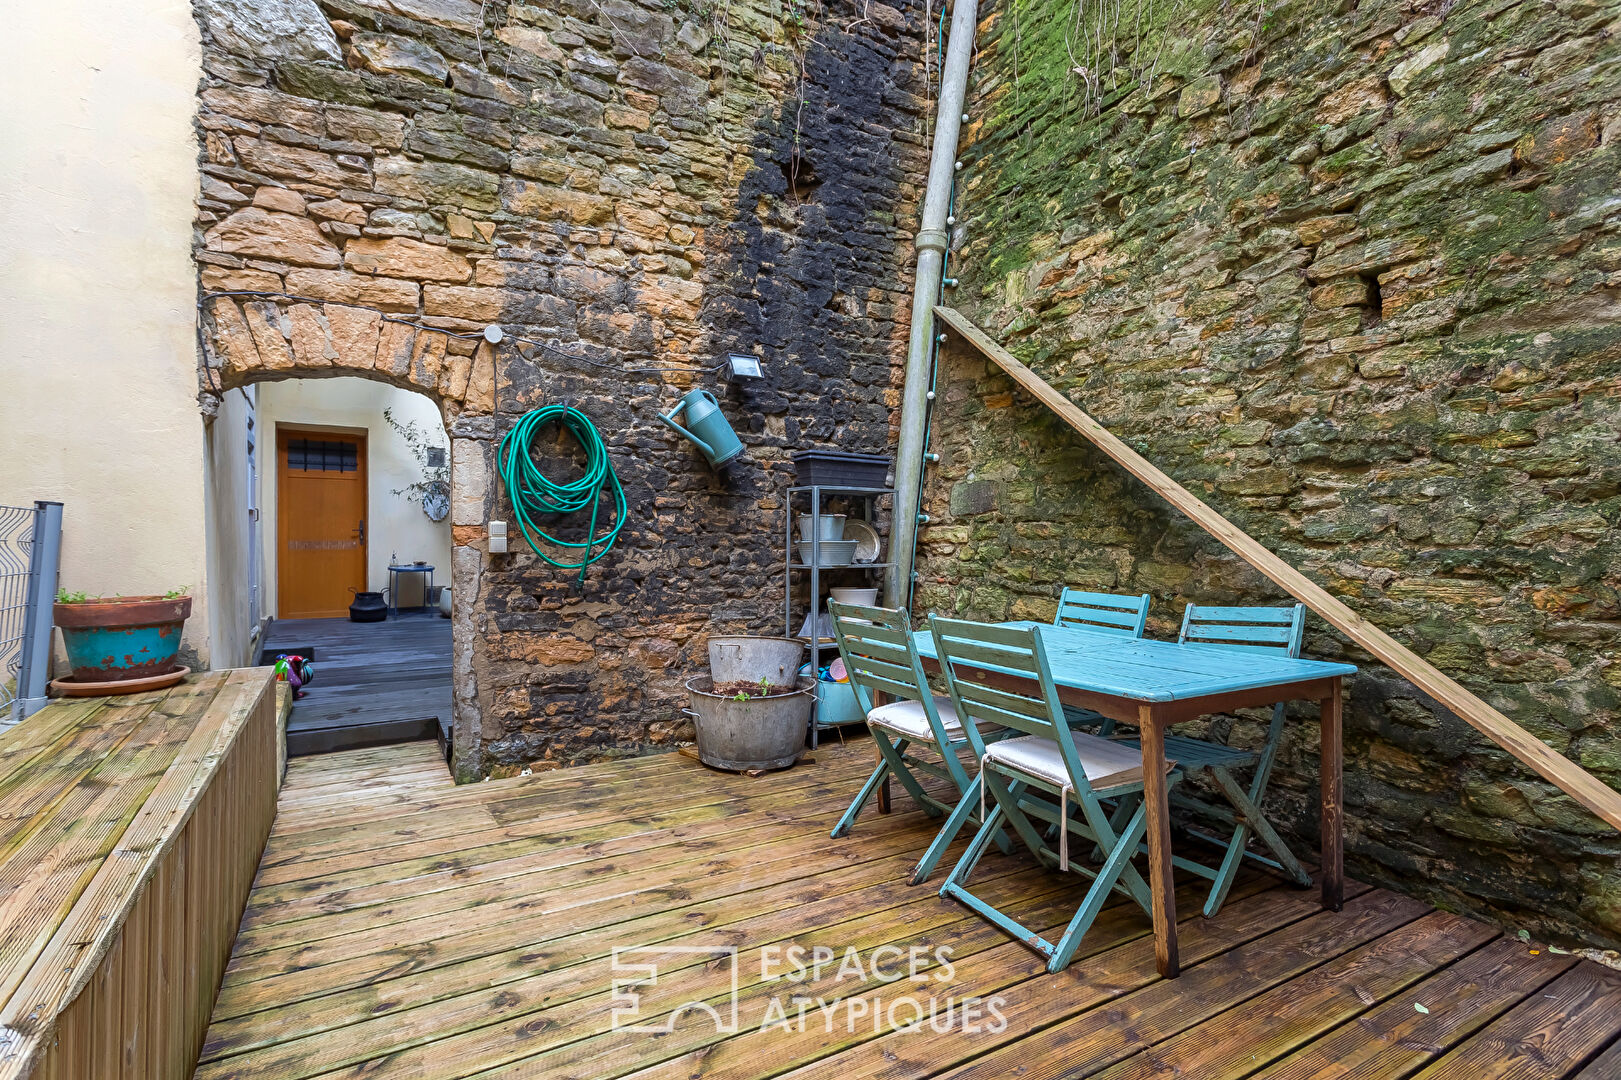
(883, 796)
(1333, 765)
(1156, 798)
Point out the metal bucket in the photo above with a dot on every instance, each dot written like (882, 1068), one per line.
(755, 733)
(750, 659)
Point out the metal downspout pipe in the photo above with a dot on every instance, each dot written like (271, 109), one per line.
(932, 241)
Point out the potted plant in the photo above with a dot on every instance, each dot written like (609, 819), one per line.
(122, 639)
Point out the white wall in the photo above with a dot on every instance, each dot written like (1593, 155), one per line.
(395, 524)
(230, 532)
(98, 355)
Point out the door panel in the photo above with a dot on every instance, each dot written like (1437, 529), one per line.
(320, 522)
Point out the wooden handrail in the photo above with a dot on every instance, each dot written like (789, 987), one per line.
(1554, 767)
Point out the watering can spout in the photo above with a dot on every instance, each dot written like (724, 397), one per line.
(706, 426)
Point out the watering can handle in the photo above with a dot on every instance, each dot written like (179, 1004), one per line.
(669, 422)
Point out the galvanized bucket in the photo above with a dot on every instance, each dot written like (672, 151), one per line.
(750, 659)
(754, 733)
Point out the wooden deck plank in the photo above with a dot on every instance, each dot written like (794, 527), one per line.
(1606, 1066)
(1395, 1039)
(736, 914)
(1550, 1035)
(371, 680)
(337, 962)
(400, 928)
(1230, 1045)
(482, 1028)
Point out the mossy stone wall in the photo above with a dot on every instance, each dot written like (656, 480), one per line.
(1352, 273)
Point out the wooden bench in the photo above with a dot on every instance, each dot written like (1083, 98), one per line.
(130, 831)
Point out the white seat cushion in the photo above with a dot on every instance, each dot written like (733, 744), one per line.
(908, 719)
(1107, 763)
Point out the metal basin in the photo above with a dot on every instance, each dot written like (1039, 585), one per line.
(750, 659)
(755, 733)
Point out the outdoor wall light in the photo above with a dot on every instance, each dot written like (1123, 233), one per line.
(742, 366)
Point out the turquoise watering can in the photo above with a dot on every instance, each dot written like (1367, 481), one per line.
(706, 426)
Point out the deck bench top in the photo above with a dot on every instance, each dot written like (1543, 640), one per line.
(93, 793)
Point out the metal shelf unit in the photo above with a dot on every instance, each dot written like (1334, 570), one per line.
(816, 493)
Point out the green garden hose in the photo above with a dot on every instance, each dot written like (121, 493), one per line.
(532, 492)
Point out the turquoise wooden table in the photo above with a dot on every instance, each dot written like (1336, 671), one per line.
(1154, 684)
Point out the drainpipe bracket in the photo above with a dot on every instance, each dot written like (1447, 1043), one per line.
(932, 240)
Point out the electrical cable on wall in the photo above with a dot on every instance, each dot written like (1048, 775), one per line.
(466, 336)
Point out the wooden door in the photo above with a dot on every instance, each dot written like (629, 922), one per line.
(320, 522)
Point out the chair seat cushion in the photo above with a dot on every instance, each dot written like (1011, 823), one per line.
(907, 718)
(1194, 753)
(1106, 762)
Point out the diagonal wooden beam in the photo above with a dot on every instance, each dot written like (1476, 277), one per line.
(1552, 766)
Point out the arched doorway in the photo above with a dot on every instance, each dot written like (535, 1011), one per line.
(255, 338)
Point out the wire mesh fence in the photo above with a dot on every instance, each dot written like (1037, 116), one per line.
(30, 543)
(17, 525)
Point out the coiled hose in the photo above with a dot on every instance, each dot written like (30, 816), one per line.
(532, 492)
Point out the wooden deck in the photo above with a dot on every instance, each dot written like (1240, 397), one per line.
(128, 832)
(403, 927)
(375, 683)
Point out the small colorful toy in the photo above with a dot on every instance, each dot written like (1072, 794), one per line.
(295, 671)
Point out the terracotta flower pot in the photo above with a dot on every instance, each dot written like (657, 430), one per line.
(122, 637)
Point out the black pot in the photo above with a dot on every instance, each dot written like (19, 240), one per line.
(368, 607)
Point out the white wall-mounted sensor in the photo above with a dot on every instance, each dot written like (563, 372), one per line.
(493, 334)
(497, 532)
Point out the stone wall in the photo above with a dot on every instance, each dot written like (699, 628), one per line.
(645, 185)
(1352, 273)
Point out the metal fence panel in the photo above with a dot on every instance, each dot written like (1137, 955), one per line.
(30, 547)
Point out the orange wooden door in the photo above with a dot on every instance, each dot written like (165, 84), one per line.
(320, 522)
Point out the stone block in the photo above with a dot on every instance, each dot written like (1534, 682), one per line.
(269, 329)
(1404, 74)
(1198, 97)
(390, 294)
(264, 106)
(282, 199)
(555, 203)
(437, 182)
(973, 497)
(353, 336)
(532, 41)
(398, 256)
(1352, 99)
(391, 54)
(381, 130)
(464, 302)
(270, 29)
(311, 336)
(470, 484)
(268, 235)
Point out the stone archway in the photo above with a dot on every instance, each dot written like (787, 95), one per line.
(251, 338)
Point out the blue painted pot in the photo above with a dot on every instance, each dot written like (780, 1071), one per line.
(123, 637)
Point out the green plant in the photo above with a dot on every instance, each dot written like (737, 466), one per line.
(425, 449)
(65, 597)
(744, 695)
(175, 594)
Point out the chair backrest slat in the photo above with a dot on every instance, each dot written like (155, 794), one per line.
(1266, 628)
(965, 647)
(1103, 612)
(876, 644)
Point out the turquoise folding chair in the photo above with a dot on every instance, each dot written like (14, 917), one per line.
(1256, 629)
(1102, 613)
(879, 655)
(1038, 775)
